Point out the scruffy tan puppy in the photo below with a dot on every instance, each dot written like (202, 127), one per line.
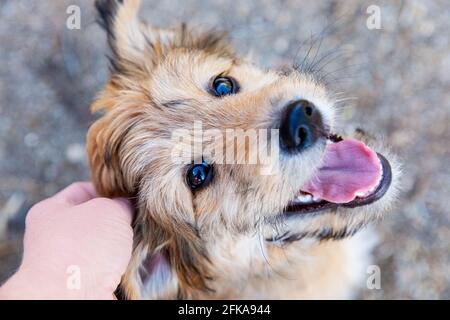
(215, 228)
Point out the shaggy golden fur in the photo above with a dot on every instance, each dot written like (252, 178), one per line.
(226, 240)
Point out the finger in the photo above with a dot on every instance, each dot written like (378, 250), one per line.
(76, 193)
(118, 209)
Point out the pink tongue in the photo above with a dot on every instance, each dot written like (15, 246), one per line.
(349, 167)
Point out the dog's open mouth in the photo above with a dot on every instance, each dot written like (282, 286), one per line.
(351, 175)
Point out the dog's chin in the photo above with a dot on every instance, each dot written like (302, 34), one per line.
(307, 217)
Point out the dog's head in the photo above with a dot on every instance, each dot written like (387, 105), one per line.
(209, 222)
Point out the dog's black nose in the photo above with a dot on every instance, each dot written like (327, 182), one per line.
(300, 126)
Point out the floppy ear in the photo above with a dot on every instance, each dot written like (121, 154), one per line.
(104, 159)
(149, 275)
(135, 45)
(114, 167)
(168, 262)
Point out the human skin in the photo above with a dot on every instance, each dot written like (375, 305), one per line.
(76, 246)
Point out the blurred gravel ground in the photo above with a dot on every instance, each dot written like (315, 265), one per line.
(397, 80)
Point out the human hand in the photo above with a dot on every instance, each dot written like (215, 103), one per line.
(76, 246)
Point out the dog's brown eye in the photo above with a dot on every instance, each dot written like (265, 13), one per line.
(223, 86)
(199, 175)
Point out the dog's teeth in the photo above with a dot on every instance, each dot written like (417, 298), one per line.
(304, 198)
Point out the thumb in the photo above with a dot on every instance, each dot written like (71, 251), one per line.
(104, 209)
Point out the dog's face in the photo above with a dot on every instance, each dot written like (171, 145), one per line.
(208, 224)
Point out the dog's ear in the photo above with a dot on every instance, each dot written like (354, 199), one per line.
(135, 45)
(149, 275)
(111, 173)
(169, 262)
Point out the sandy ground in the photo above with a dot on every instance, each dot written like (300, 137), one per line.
(397, 80)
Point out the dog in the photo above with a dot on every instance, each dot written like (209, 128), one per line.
(211, 229)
